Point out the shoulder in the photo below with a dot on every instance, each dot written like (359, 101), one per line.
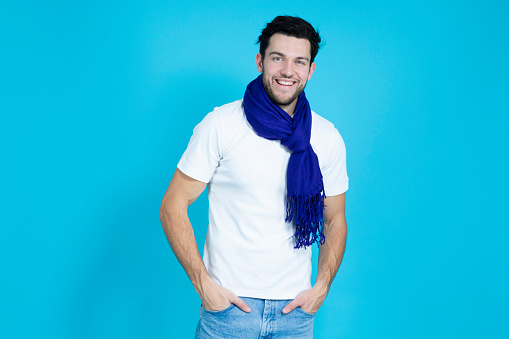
(330, 149)
(230, 110)
(219, 116)
(223, 124)
(231, 116)
(323, 130)
(321, 122)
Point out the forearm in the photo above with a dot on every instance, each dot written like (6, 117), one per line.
(180, 234)
(181, 238)
(181, 193)
(331, 252)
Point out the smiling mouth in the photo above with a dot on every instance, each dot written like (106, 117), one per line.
(285, 83)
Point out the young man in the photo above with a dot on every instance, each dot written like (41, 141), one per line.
(276, 175)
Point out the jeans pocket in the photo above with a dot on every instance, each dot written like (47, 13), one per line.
(300, 310)
(220, 311)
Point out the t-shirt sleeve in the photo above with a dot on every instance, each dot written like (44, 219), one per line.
(335, 179)
(203, 152)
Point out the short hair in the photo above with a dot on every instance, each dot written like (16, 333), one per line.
(290, 26)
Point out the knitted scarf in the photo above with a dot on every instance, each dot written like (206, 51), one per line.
(304, 183)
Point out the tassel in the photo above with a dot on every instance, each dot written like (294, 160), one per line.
(307, 212)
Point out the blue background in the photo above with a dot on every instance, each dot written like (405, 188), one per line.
(98, 101)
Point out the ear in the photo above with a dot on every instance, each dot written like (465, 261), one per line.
(259, 62)
(311, 70)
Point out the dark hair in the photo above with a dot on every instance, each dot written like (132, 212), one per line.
(290, 26)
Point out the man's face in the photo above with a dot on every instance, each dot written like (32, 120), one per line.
(285, 69)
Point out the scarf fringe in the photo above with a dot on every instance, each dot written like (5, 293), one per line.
(307, 211)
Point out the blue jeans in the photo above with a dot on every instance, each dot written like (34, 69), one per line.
(266, 320)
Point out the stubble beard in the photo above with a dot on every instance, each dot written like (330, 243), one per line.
(280, 101)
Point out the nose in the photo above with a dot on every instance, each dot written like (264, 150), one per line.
(287, 70)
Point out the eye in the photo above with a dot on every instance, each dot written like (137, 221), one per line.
(277, 58)
(301, 63)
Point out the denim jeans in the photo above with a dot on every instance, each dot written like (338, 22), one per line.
(266, 320)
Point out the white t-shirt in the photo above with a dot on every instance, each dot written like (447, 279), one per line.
(249, 248)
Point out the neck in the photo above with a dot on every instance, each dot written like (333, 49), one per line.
(290, 109)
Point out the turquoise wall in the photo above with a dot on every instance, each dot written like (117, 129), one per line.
(98, 101)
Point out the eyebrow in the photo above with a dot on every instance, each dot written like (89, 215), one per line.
(281, 54)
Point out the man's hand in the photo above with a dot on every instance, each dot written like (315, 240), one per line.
(309, 300)
(217, 298)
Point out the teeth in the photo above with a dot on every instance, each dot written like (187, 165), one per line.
(286, 83)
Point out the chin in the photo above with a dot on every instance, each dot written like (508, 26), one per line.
(288, 99)
(284, 103)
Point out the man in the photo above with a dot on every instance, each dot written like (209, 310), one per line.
(276, 177)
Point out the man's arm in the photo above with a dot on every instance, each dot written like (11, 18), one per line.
(329, 259)
(181, 193)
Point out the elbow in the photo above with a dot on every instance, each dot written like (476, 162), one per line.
(171, 210)
(336, 224)
(163, 212)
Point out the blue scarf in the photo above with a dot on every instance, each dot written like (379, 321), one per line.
(304, 183)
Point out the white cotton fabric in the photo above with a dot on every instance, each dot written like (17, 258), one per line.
(249, 246)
